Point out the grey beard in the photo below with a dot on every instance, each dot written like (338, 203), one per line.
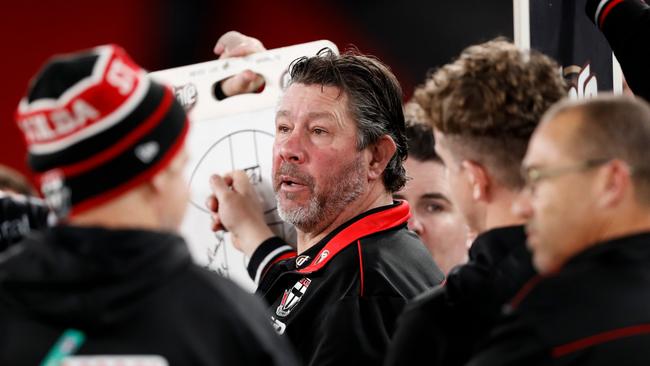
(324, 207)
(303, 218)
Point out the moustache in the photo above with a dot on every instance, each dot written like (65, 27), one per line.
(292, 171)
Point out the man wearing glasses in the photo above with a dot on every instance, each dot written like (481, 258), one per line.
(587, 208)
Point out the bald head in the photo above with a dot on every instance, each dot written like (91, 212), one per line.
(607, 127)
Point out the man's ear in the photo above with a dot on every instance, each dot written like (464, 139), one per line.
(614, 183)
(380, 154)
(478, 178)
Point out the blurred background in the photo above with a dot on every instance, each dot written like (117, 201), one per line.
(411, 36)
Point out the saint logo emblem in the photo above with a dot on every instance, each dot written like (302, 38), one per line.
(292, 296)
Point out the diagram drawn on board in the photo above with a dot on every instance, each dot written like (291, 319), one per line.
(257, 167)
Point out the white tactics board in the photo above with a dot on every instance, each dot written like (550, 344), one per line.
(234, 133)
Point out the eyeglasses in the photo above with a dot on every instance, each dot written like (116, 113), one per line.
(533, 175)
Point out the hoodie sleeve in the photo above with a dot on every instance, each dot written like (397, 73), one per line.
(626, 25)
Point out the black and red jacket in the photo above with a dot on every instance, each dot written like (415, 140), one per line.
(626, 25)
(338, 301)
(447, 324)
(594, 311)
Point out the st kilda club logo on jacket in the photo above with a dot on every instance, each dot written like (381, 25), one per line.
(292, 296)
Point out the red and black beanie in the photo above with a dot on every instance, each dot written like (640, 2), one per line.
(96, 126)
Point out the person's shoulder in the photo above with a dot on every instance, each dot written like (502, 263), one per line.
(428, 303)
(606, 273)
(499, 265)
(396, 243)
(493, 246)
(513, 342)
(602, 293)
(398, 260)
(220, 289)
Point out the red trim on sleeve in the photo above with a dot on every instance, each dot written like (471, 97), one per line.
(600, 338)
(373, 223)
(606, 11)
(279, 258)
(360, 268)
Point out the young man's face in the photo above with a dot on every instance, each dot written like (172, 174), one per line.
(433, 217)
(560, 205)
(317, 168)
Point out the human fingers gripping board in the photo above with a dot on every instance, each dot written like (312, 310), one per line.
(231, 134)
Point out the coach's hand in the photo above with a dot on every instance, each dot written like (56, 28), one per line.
(236, 207)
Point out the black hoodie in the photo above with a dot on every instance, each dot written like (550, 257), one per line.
(129, 292)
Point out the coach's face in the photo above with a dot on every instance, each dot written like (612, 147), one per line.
(317, 168)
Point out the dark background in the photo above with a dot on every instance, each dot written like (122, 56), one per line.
(410, 36)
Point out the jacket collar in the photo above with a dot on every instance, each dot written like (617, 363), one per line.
(370, 222)
(626, 249)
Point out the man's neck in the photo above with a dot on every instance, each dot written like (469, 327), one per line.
(125, 212)
(374, 199)
(625, 224)
(498, 212)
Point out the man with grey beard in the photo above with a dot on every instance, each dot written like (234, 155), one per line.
(337, 159)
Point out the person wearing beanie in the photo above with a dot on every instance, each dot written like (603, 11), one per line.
(113, 283)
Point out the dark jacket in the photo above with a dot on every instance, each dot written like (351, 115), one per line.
(128, 292)
(446, 325)
(626, 25)
(338, 301)
(594, 311)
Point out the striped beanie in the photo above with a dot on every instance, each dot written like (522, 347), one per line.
(96, 126)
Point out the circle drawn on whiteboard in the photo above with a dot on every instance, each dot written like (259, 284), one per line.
(248, 150)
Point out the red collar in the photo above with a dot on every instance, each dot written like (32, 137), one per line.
(375, 222)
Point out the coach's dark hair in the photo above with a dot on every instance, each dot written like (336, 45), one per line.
(375, 100)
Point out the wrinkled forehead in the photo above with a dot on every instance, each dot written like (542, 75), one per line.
(316, 94)
(314, 101)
